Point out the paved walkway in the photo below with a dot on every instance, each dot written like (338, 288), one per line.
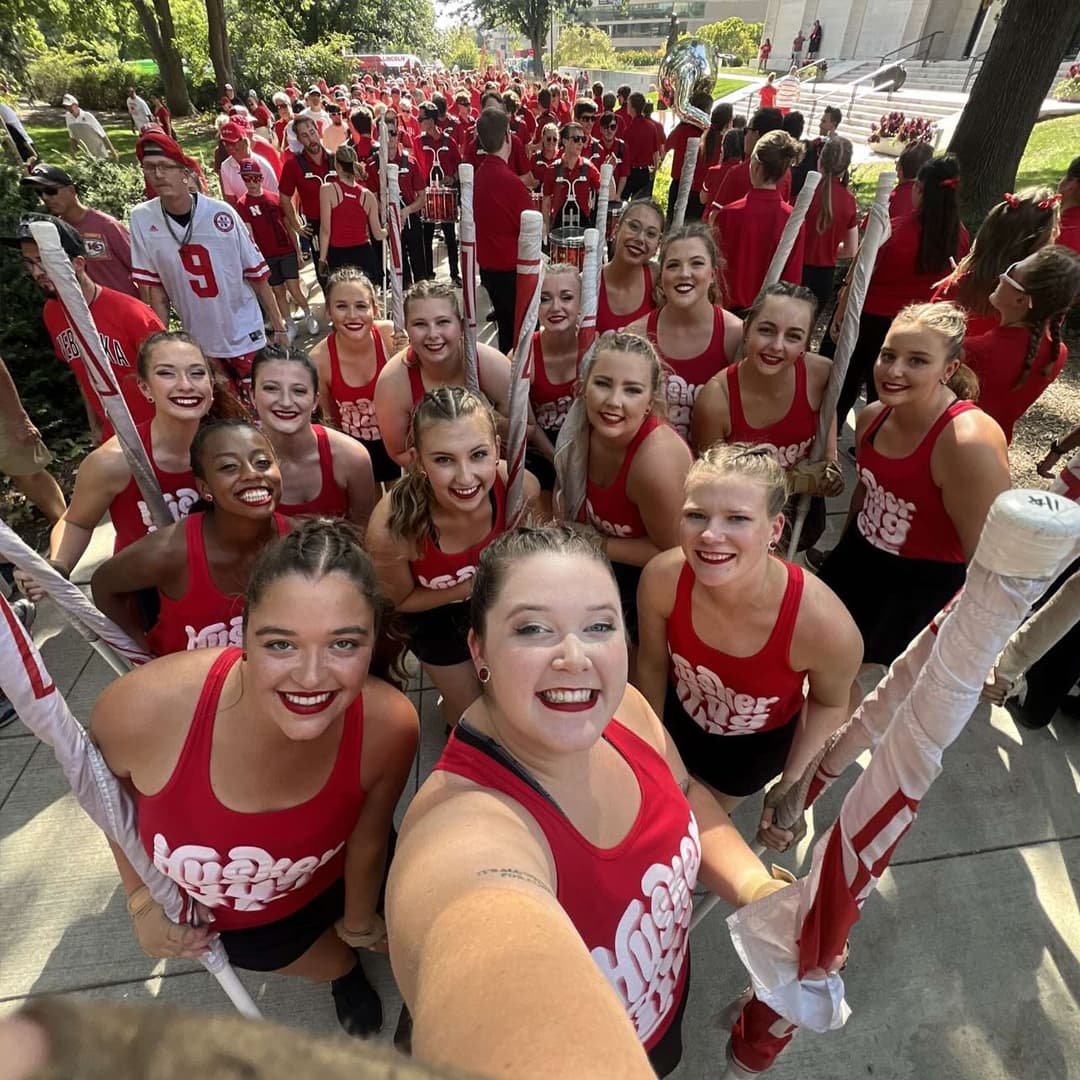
(965, 965)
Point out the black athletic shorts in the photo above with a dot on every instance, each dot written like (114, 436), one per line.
(275, 945)
(283, 268)
(627, 578)
(385, 469)
(736, 765)
(665, 1056)
(439, 636)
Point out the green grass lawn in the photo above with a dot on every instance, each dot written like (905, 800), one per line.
(725, 86)
(1050, 148)
(196, 134)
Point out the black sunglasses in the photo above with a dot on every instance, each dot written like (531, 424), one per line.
(575, 138)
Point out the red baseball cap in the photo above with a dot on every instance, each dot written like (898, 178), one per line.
(231, 132)
(250, 168)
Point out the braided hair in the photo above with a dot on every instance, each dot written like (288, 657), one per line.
(1052, 282)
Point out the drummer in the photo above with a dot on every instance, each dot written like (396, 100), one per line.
(442, 158)
(547, 153)
(571, 185)
(609, 149)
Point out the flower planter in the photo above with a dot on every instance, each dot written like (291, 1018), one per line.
(890, 147)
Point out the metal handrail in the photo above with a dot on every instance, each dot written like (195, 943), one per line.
(853, 85)
(926, 52)
(971, 68)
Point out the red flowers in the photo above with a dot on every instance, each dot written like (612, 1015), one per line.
(896, 125)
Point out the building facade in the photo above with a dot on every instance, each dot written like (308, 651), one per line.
(869, 29)
(643, 24)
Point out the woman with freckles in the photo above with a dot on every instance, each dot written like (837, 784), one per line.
(559, 821)
(265, 778)
(427, 535)
(434, 357)
(731, 634)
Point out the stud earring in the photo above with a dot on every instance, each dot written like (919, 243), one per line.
(208, 498)
(483, 673)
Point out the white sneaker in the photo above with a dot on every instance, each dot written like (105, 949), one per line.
(291, 330)
(313, 326)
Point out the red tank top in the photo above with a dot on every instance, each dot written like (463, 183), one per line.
(355, 405)
(416, 379)
(609, 509)
(348, 220)
(550, 401)
(792, 435)
(735, 695)
(903, 512)
(332, 501)
(438, 569)
(250, 869)
(129, 513)
(631, 903)
(606, 319)
(204, 617)
(687, 378)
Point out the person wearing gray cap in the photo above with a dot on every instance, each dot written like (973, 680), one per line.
(108, 244)
(84, 130)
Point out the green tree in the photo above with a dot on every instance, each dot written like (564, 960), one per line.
(1007, 96)
(584, 47)
(458, 48)
(731, 36)
(218, 36)
(532, 18)
(155, 17)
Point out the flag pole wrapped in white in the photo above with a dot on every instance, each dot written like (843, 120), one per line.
(384, 161)
(393, 240)
(115, 647)
(686, 181)
(877, 232)
(468, 275)
(590, 289)
(98, 369)
(603, 201)
(530, 274)
(41, 707)
(791, 229)
(791, 942)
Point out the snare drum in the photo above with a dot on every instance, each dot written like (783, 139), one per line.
(568, 246)
(614, 216)
(441, 206)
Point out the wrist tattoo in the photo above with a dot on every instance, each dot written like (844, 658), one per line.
(508, 873)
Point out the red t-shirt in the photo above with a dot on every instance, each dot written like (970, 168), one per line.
(261, 116)
(896, 283)
(676, 143)
(821, 246)
(601, 151)
(124, 323)
(736, 184)
(748, 232)
(412, 176)
(264, 216)
(998, 359)
(300, 174)
(1070, 228)
(501, 198)
(767, 96)
(900, 199)
(976, 324)
(442, 151)
(640, 139)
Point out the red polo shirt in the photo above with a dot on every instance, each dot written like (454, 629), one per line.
(1070, 228)
(300, 174)
(519, 160)
(748, 232)
(500, 198)
(896, 283)
(441, 150)
(640, 139)
(736, 184)
(714, 177)
(821, 246)
(601, 151)
(559, 182)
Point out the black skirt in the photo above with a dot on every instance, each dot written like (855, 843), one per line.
(890, 598)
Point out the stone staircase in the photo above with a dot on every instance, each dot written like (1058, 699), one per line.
(940, 76)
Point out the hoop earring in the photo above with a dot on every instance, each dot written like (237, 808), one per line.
(483, 673)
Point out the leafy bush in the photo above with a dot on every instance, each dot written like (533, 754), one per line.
(1068, 89)
(585, 47)
(639, 57)
(731, 36)
(97, 84)
(268, 54)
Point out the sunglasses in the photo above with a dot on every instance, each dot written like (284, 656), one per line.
(46, 191)
(609, 127)
(1009, 279)
(575, 138)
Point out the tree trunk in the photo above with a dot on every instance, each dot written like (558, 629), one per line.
(537, 38)
(157, 25)
(1015, 77)
(219, 44)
